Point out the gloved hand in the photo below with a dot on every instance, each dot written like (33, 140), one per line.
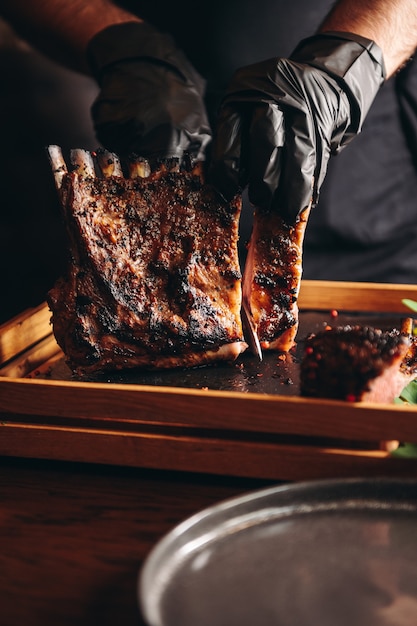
(282, 118)
(151, 98)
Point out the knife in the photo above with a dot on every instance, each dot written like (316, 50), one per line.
(249, 331)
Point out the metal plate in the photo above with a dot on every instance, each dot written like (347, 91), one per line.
(336, 552)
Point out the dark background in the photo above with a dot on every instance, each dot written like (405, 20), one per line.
(40, 103)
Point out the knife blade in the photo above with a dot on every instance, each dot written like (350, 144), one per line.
(249, 331)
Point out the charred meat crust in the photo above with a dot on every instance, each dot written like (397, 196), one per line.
(274, 275)
(272, 278)
(344, 362)
(153, 277)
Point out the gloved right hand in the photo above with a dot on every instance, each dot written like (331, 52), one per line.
(151, 98)
(281, 119)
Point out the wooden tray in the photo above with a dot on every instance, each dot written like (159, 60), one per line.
(171, 427)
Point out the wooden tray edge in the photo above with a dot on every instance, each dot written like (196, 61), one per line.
(233, 458)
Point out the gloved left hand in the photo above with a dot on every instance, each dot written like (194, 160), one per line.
(282, 118)
(151, 98)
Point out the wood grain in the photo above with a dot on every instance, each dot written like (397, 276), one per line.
(75, 536)
(240, 434)
(35, 356)
(249, 412)
(24, 330)
(350, 296)
(273, 460)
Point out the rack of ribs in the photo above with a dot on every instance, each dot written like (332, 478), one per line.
(357, 364)
(153, 276)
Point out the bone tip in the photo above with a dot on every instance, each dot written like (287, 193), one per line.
(139, 167)
(171, 164)
(55, 155)
(109, 163)
(82, 162)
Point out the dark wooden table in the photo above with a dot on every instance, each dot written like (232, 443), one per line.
(74, 536)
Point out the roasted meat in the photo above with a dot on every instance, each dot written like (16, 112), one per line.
(356, 363)
(272, 278)
(153, 277)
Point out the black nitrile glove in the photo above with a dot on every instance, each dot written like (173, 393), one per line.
(151, 98)
(282, 118)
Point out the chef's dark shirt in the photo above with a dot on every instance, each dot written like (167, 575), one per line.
(365, 225)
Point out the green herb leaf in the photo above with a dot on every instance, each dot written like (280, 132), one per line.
(407, 396)
(409, 393)
(405, 451)
(411, 304)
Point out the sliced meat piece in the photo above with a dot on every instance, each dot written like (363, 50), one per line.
(357, 363)
(272, 278)
(153, 278)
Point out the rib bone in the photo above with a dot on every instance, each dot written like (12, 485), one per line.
(109, 163)
(59, 167)
(83, 162)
